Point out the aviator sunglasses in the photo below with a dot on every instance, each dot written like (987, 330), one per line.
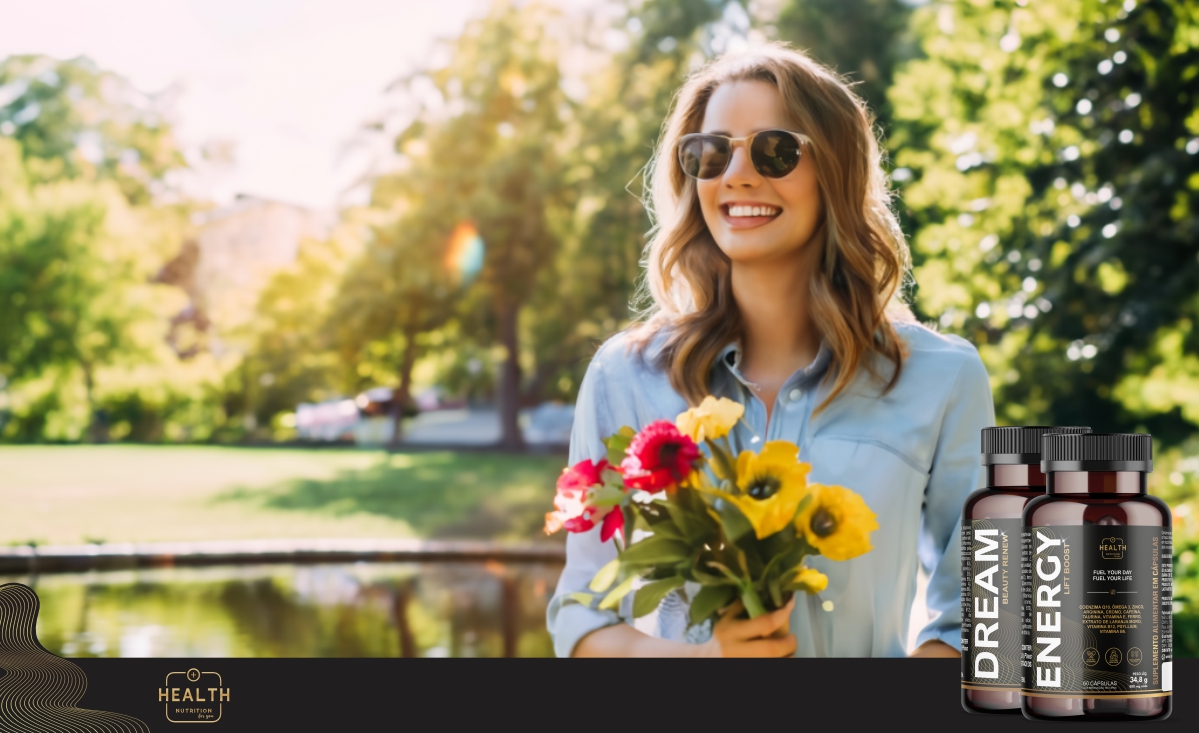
(774, 153)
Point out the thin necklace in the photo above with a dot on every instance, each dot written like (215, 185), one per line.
(755, 387)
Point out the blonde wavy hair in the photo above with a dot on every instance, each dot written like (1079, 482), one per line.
(864, 257)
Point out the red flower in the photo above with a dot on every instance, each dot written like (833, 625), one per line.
(613, 522)
(658, 458)
(573, 513)
(583, 475)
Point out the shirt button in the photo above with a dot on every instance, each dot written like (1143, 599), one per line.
(796, 394)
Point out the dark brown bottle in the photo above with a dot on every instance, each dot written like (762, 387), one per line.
(991, 599)
(1098, 584)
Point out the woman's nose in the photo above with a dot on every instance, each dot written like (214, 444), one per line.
(741, 171)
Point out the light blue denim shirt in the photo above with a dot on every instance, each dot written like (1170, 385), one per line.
(912, 453)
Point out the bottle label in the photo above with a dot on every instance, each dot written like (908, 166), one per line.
(1097, 605)
(991, 604)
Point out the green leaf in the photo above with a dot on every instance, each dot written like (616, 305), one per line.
(723, 463)
(735, 523)
(772, 586)
(649, 596)
(583, 598)
(618, 443)
(663, 571)
(707, 578)
(605, 576)
(736, 579)
(656, 551)
(667, 530)
(709, 600)
(653, 513)
(607, 495)
(612, 600)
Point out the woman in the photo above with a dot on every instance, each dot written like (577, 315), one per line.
(774, 269)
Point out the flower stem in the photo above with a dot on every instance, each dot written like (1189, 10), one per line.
(751, 601)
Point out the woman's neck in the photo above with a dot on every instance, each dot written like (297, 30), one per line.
(779, 335)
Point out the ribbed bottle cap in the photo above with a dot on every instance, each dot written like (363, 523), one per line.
(1018, 445)
(1097, 452)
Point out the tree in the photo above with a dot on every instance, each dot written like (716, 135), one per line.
(74, 287)
(1051, 153)
(73, 120)
(398, 290)
(293, 358)
(78, 238)
(865, 40)
(492, 151)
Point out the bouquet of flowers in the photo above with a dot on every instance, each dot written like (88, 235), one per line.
(739, 526)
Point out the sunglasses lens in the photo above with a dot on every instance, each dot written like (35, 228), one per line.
(704, 157)
(775, 153)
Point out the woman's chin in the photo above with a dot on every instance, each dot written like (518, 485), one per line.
(742, 248)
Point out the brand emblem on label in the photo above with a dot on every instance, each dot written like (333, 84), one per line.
(1112, 548)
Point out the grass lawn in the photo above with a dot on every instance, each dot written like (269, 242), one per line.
(122, 493)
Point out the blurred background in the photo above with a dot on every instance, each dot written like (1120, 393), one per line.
(295, 297)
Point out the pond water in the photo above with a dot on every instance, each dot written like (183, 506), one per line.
(443, 609)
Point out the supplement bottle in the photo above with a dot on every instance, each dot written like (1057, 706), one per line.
(991, 599)
(1097, 581)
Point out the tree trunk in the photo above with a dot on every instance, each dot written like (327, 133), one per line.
(403, 393)
(511, 438)
(96, 433)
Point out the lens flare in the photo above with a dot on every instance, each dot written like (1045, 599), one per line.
(464, 254)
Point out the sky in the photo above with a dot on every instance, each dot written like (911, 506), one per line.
(288, 83)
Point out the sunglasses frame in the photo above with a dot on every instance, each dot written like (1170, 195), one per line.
(747, 141)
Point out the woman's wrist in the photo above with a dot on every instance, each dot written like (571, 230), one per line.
(622, 640)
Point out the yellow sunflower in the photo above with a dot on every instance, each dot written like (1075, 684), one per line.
(711, 419)
(810, 579)
(771, 484)
(837, 522)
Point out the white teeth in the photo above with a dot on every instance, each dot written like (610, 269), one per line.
(752, 211)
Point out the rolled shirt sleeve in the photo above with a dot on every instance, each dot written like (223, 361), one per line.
(567, 620)
(956, 472)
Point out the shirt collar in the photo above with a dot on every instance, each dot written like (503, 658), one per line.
(730, 357)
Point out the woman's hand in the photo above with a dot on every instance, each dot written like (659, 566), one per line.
(756, 637)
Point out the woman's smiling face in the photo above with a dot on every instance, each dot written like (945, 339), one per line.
(753, 217)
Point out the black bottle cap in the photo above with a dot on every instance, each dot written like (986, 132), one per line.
(1018, 445)
(1097, 452)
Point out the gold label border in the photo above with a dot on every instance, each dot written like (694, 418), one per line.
(220, 706)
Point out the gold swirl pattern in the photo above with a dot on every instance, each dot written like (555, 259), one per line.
(38, 690)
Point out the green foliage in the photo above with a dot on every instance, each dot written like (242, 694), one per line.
(80, 159)
(865, 40)
(292, 359)
(648, 596)
(73, 120)
(709, 600)
(1047, 148)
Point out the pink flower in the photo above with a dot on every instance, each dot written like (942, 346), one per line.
(658, 458)
(573, 512)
